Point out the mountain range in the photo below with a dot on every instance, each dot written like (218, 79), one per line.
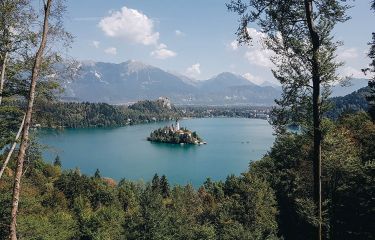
(132, 81)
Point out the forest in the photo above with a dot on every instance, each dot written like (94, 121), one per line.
(317, 183)
(78, 115)
(272, 199)
(353, 102)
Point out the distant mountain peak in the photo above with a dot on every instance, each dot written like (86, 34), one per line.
(87, 63)
(135, 66)
(228, 79)
(226, 75)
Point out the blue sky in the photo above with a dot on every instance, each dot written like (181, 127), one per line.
(192, 37)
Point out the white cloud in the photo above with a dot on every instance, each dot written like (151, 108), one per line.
(351, 72)
(194, 70)
(95, 44)
(111, 51)
(349, 53)
(130, 24)
(256, 35)
(179, 33)
(234, 45)
(260, 57)
(162, 52)
(255, 53)
(254, 79)
(134, 26)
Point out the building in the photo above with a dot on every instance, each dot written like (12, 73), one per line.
(177, 125)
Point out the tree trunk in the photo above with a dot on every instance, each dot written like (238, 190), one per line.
(25, 133)
(317, 158)
(2, 80)
(12, 148)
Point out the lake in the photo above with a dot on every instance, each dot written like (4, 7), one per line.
(124, 152)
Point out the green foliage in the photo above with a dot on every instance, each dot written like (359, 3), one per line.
(370, 97)
(153, 107)
(48, 226)
(167, 135)
(164, 186)
(303, 53)
(97, 174)
(371, 69)
(70, 205)
(10, 119)
(351, 103)
(272, 200)
(348, 182)
(57, 161)
(75, 115)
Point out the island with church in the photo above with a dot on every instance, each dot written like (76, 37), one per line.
(175, 135)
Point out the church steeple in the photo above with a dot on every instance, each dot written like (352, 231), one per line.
(177, 125)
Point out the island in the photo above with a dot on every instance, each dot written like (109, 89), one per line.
(175, 135)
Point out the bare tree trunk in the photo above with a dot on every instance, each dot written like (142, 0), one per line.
(317, 158)
(25, 133)
(2, 79)
(12, 148)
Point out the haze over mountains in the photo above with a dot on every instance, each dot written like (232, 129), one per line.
(131, 81)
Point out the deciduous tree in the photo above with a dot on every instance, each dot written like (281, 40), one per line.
(25, 132)
(299, 33)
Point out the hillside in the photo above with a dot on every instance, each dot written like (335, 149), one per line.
(76, 115)
(352, 102)
(352, 85)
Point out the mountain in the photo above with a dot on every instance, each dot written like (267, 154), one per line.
(229, 88)
(132, 81)
(125, 82)
(353, 102)
(352, 85)
(270, 84)
(223, 81)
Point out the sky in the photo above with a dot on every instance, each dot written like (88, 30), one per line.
(195, 38)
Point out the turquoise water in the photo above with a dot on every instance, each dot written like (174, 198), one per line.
(124, 152)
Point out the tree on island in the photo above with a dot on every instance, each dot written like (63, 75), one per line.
(97, 174)
(57, 161)
(170, 135)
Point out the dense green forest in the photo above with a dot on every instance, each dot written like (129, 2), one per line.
(353, 102)
(76, 115)
(269, 201)
(317, 183)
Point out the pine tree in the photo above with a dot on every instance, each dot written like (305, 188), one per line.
(57, 161)
(97, 174)
(164, 185)
(155, 183)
